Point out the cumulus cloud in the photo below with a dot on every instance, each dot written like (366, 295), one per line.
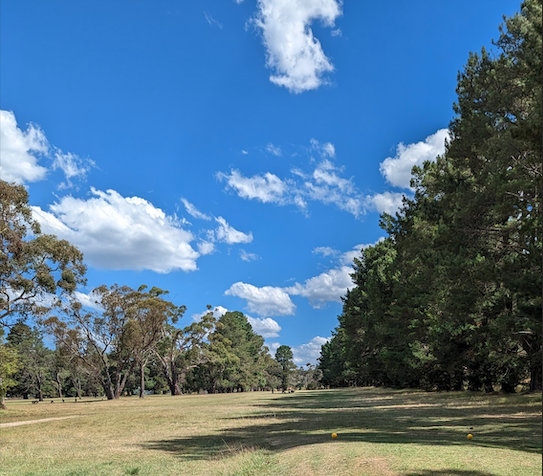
(329, 286)
(21, 151)
(397, 169)
(266, 327)
(310, 352)
(293, 53)
(229, 234)
(206, 247)
(265, 188)
(120, 233)
(193, 211)
(217, 311)
(266, 301)
(387, 202)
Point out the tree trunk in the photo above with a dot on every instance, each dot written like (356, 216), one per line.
(3, 404)
(535, 379)
(59, 385)
(142, 379)
(40, 393)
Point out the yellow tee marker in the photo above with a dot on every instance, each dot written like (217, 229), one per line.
(470, 436)
(334, 435)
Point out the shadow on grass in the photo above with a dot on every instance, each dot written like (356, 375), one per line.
(369, 416)
(448, 472)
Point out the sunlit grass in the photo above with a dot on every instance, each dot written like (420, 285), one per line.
(381, 432)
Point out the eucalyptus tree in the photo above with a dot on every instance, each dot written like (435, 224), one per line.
(35, 269)
(181, 349)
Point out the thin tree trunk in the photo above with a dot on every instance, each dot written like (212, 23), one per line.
(40, 393)
(59, 384)
(142, 379)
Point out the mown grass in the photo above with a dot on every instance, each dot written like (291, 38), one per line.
(381, 432)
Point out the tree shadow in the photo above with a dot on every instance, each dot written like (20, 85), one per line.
(368, 416)
(448, 472)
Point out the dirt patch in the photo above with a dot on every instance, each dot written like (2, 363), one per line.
(28, 422)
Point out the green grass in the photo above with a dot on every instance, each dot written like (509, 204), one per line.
(380, 432)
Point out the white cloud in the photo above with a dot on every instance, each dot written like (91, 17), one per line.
(206, 247)
(212, 20)
(273, 346)
(324, 184)
(336, 32)
(21, 151)
(116, 232)
(272, 149)
(244, 152)
(266, 301)
(89, 300)
(293, 53)
(229, 234)
(245, 256)
(328, 286)
(325, 150)
(397, 169)
(217, 311)
(387, 202)
(325, 251)
(310, 352)
(265, 327)
(72, 165)
(266, 188)
(193, 211)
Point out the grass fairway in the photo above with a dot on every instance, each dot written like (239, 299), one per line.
(380, 432)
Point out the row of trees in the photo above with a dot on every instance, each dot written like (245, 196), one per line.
(453, 294)
(126, 339)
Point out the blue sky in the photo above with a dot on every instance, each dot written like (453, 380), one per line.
(236, 153)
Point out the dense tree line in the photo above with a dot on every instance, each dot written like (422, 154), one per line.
(126, 341)
(452, 297)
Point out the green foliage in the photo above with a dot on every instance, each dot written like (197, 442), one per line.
(453, 295)
(34, 268)
(283, 356)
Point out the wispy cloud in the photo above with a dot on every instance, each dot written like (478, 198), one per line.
(212, 20)
(193, 211)
(272, 149)
(245, 256)
(22, 150)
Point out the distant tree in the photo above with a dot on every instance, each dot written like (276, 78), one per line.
(9, 365)
(35, 374)
(283, 356)
(112, 341)
(145, 328)
(35, 269)
(180, 350)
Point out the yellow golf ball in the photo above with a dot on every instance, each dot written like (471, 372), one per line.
(470, 436)
(334, 435)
